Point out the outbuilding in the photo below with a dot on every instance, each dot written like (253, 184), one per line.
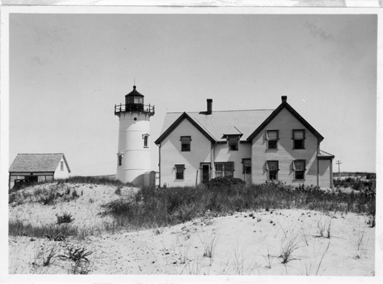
(38, 168)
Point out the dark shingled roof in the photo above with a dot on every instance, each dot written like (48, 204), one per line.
(37, 162)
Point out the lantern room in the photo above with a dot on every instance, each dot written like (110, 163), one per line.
(134, 101)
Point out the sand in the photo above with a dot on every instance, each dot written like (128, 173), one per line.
(247, 243)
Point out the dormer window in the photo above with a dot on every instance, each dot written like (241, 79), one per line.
(299, 138)
(233, 141)
(145, 137)
(272, 137)
(185, 143)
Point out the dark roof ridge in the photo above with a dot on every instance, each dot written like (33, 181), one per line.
(263, 109)
(40, 153)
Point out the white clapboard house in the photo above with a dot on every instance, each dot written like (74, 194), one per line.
(254, 145)
(38, 167)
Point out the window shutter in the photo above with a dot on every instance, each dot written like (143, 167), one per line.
(299, 165)
(298, 135)
(272, 135)
(185, 140)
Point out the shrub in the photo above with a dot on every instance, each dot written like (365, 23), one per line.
(225, 182)
(65, 218)
(18, 228)
(156, 207)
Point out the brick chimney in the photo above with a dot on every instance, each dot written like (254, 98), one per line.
(284, 99)
(209, 106)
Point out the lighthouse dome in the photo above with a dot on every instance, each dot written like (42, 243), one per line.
(134, 100)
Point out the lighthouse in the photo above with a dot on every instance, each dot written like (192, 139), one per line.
(133, 155)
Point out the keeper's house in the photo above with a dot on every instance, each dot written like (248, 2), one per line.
(254, 145)
(37, 168)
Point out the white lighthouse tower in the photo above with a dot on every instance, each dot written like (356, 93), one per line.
(133, 156)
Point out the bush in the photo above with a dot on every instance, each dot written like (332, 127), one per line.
(227, 182)
(18, 228)
(65, 218)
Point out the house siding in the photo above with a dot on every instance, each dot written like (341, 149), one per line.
(284, 122)
(172, 155)
(325, 173)
(61, 174)
(224, 154)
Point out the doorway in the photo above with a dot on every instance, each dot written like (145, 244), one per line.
(205, 172)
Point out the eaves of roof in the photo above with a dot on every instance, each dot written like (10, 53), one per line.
(178, 121)
(285, 105)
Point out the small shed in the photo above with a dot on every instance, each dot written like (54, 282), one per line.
(38, 168)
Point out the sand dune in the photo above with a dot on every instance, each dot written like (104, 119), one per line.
(247, 243)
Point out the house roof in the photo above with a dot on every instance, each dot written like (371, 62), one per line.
(325, 156)
(37, 162)
(285, 105)
(218, 124)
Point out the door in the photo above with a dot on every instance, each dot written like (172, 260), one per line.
(246, 164)
(205, 173)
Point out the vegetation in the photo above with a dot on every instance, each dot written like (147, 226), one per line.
(355, 182)
(158, 207)
(221, 196)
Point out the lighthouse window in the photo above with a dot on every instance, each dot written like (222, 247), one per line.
(120, 160)
(145, 137)
(185, 143)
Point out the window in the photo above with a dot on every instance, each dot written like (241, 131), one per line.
(272, 167)
(233, 142)
(272, 137)
(120, 159)
(185, 143)
(180, 169)
(246, 165)
(61, 165)
(299, 139)
(145, 137)
(224, 169)
(299, 167)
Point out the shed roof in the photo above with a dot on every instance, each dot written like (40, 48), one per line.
(37, 162)
(219, 123)
(325, 155)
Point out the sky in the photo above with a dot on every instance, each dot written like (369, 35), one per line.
(67, 71)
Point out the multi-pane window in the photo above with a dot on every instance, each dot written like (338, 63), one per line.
(233, 142)
(62, 165)
(299, 167)
(145, 137)
(246, 164)
(180, 169)
(224, 169)
(272, 167)
(185, 143)
(299, 139)
(272, 137)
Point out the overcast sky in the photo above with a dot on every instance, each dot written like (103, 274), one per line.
(68, 71)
